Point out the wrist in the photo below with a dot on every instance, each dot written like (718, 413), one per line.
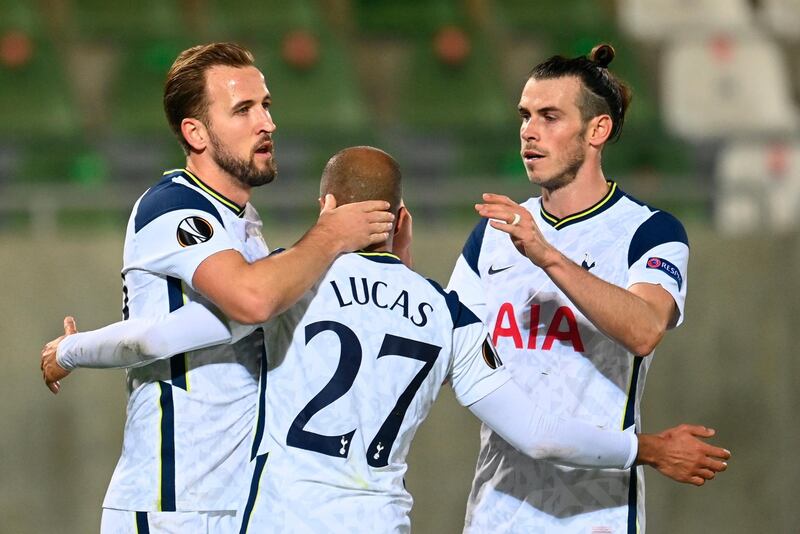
(325, 241)
(649, 445)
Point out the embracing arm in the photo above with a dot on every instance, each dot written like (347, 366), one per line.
(676, 453)
(136, 342)
(253, 293)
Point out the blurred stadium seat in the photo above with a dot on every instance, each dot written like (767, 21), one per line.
(119, 21)
(721, 86)
(259, 20)
(655, 20)
(406, 20)
(453, 102)
(781, 17)
(758, 187)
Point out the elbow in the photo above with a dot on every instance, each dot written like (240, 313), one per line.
(646, 342)
(250, 308)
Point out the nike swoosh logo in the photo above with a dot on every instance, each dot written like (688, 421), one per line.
(492, 270)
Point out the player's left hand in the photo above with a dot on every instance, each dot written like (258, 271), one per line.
(52, 372)
(681, 454)
(507, 216)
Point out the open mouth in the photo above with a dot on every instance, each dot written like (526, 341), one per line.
(264, 150)
(531, 156)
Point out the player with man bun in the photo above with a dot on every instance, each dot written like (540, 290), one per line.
(577, 287)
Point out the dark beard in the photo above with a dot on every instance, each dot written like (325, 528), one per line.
(244, 171)
(567, 175)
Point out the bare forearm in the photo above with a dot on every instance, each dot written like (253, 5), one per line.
(617, 312)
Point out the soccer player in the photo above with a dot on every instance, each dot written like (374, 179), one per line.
(577, 287)
(194, 237)
(354, 367)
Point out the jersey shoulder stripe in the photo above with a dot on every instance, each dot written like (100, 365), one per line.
(659, 228)
(460, 314)
(472, 248)
(167, 196)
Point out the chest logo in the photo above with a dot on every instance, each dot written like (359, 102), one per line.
(588, 263)
(492, 270)
(194, 230)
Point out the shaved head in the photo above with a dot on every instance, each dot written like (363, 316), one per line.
(362, 173)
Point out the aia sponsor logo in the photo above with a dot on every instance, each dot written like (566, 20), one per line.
(563, 328)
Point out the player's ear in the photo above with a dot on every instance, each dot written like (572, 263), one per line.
(195, 133)
(599, 130)
(402, 220)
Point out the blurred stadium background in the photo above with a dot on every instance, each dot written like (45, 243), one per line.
(712, 135)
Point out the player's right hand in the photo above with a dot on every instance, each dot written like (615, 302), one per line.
(355, 226)
(679, 454)
(52, 372)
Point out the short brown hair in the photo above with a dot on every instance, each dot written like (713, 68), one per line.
(185, 87)
(362, 173)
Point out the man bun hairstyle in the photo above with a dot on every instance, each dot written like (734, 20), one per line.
(185, 87)
(602, 93)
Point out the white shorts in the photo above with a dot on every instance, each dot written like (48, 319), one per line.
(128, 522)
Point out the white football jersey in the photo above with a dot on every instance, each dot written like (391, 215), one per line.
(354, 368)
(188, 435)
(564, 362)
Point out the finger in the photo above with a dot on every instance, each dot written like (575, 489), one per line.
(701, 431)
(69, 326)
(54, 387)
(697, 481)
(513, 231)
(492, 198)
(717, 452)
(503, 213)
(330, 203)
(715, 465)
(380, 227)
(370, 205)
(707, 474)
(380, 216)
(374, 239)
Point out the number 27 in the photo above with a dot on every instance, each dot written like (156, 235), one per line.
(341, 382)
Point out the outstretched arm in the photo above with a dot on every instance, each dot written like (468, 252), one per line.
(136, 342)
(676, 453)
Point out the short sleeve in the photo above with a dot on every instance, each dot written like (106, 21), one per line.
(175, 229)
(659, 254)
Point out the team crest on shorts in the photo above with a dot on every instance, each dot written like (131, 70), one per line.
(490, 355)
(194, 230)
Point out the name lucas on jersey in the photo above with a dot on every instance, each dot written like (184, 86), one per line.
(378, 293)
